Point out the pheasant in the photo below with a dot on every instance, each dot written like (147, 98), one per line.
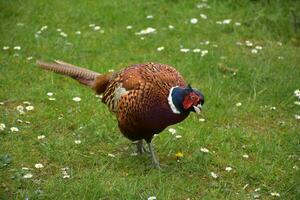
(146, 98)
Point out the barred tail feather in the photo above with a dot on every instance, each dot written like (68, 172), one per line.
(84, 76)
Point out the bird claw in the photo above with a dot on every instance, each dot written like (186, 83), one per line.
(140, 147)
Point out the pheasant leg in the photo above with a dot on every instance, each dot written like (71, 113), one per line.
(140, 147)
(155, 162)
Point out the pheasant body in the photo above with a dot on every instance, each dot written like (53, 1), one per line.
(146, 98)
(139, 97)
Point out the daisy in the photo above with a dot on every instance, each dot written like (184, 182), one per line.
(14, 129)
(194, 21)
(204, 150)
(39, 165)
(28, 175)
(228, 169)
(214, 175)
(2, 127)
(77, 99)
(172, 130)
(160, 48)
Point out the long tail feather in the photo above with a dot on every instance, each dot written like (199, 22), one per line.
(84, 76)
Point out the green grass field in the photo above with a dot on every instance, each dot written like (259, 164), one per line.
(248, 74)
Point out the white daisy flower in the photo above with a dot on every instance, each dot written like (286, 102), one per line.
(172, 130)
(111, 155)
(29, 108)
(77, 141)
(218, 22)
(245, 186)
(214, 175)
(5, 48)
(258, 47)
(66, 176)
(150, 17)
(77, 99)
(160, 48)
(257, 190)
(28, 175)
(297, 93)
(152, 198)
(297, 103)
(248, 43)
(203, 5)
(204, 150)
(146, 31)
(52, 99)
(128, 27)
(92, 25)
(49, 94)
(39, 165)
(44, 28)
(63, 34)
(14, 129)
(245, 156)
(254, 51)
(201, 120)
(29, 58)
(184, 50)
(237, 23)
(26, 102)
(238, 104)
(2, 127)
(228, 169)
(204, 52)
(196, 50)
(178, 136)
(194, 21)
(58, 30)
(171, 27)
(203, 16)
(297, 117)
(96, 28)
(275, 194)
(78, 32)
(40, 137)
(17, 48)
(226, 21)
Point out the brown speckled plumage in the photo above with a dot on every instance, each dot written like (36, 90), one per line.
(138, 95)
(143, 108)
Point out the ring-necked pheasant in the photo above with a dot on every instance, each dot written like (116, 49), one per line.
(146, 98)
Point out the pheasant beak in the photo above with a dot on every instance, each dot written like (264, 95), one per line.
(198, 108)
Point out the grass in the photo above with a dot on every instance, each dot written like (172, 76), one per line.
(263, 80)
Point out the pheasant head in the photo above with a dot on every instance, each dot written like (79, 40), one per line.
(185, 100)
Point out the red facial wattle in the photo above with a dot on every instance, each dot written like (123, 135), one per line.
(190, 100)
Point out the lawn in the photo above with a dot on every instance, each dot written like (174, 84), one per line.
(244, 56)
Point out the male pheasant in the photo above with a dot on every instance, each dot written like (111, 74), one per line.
(146, 98)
